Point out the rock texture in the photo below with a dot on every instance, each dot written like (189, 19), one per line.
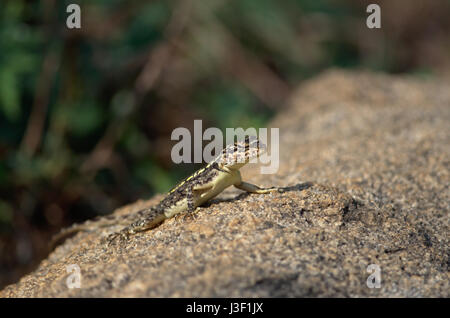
(364, 159)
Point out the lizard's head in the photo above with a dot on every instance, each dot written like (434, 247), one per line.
(236, 155)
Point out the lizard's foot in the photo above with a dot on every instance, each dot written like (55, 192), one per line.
(191, 215)
(120, 237)
(268, 190)
(253, 188)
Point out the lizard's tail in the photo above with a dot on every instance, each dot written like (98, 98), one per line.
(96, 223)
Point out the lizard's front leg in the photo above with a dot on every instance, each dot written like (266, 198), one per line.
(252, 188)
(193, 197)
(190, 200)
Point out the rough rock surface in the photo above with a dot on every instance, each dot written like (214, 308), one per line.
(365, 161)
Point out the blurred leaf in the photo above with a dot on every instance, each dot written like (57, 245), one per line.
(13, 9)
(153, 175)
(231, 105)
(122, 103)
(9, 95)
(83, 118)
(23, 62)
(152, 18)
(26, 169)
(135, 142)
(5, 212)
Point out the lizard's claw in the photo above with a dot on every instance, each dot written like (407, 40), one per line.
(188, 216)
(121, 236)
(191, 215)
(271, 189)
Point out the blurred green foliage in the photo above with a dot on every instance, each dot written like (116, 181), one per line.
(86, 115)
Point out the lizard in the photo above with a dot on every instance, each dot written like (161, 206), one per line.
(192, 192)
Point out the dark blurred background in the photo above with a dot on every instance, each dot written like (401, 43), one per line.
(86, 114)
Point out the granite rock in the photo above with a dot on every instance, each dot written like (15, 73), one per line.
(364, 166)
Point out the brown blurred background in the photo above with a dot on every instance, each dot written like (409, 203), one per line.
(86, 114)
